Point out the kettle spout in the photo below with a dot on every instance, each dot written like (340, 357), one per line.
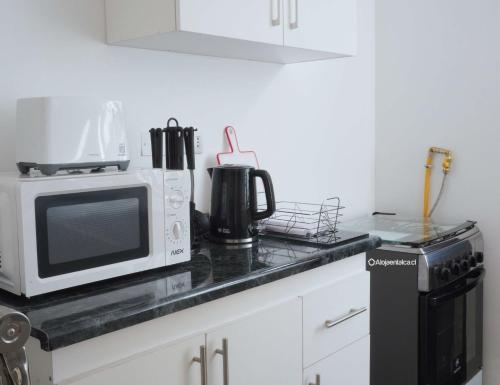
(210, 171)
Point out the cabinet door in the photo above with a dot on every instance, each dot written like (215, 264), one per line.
(322, 25)
(238, 19)
(345, 306)
(349, 366)
(264, 348)
(172, 364)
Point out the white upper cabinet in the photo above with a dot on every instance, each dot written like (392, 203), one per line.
(279, 31)
(255, 20)
(321, 25)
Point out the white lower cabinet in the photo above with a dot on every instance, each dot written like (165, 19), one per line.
(171, 364)
(263, 349)
(287, 332)
(335, 316)
(349, 366)
(336, 332)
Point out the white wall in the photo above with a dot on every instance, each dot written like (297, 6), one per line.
(438, 83)
(311, 124)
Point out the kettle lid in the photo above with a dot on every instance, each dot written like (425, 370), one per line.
(235, 167)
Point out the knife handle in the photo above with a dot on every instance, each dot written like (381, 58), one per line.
(189, 144)
(174, 146)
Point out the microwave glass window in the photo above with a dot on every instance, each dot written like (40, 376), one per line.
(90, 229)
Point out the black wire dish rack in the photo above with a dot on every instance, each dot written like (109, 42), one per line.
(310, 223)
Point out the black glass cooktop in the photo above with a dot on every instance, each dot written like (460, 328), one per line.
(396, 230)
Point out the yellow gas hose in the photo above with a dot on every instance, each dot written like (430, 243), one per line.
(428, 169)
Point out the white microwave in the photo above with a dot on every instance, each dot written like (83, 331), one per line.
(63, 231)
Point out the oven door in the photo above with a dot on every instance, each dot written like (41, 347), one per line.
(90, 228)
(451, 327)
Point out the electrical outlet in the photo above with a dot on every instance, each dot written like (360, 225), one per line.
(145, 144)
(198, 149)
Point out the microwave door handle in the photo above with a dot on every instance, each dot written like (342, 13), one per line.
(438, 300)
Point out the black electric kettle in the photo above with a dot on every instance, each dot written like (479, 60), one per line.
(234, 214)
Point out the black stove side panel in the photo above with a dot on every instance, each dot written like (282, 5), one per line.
(394, 317)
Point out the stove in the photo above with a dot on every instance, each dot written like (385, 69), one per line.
(426, 300)
(446, 252)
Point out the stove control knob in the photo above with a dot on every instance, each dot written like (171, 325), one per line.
(479, 256)
(455, 268)
(465, 265)
(472, 261)
(444, 273)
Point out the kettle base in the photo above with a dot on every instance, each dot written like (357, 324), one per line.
(229, 241)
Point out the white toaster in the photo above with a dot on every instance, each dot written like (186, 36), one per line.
(64, 133)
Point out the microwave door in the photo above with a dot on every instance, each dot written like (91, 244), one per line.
(76, 230)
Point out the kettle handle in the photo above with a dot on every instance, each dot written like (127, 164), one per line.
(269, 191)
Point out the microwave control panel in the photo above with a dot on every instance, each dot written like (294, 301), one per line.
(177, 190)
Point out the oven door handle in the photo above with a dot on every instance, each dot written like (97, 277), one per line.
(438, 300)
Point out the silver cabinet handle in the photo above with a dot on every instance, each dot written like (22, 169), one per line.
(224, 352)
(293, 16)
(202, 360)
(276, 16)
(352, 313)
(318, 380)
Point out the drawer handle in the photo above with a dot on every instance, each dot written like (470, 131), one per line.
(352, 313)
(202, 360)
(294, 20)
(318, 380)
(275, 6)
(224, 352)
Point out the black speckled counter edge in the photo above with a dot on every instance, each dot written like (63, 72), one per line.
(206, 294)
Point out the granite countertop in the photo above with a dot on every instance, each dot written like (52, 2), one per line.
(64, 318)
